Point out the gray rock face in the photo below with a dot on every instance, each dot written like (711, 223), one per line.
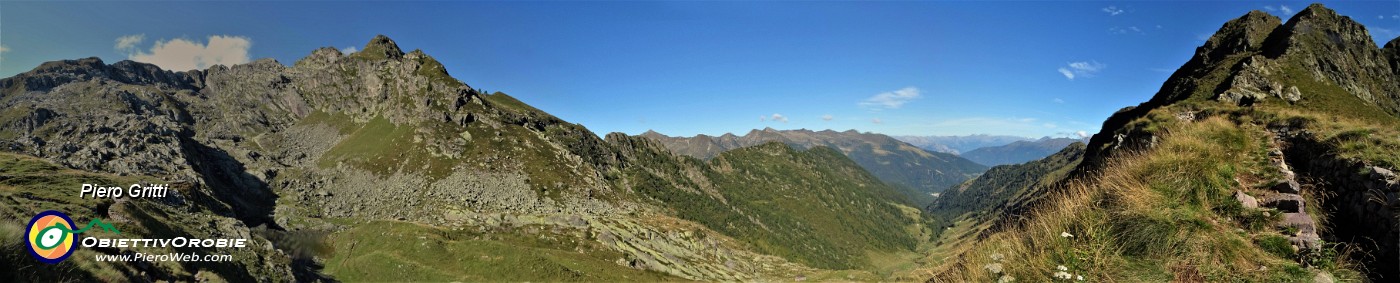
(1339, 50)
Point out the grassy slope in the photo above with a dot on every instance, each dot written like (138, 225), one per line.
(1003, 183)
(396, 251)
(814, 207)
(1157, 215)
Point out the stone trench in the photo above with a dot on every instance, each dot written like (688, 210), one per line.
(1285, 195)
(1360, 201)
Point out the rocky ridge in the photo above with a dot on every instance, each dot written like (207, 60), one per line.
(337, 141)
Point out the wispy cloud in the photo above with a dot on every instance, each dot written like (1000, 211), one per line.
(184, 54)
(1122, 30)
(1281, 8)
(775, 118)
(349, 50)
(1384, 32)
(1112, 10)
(1082, 134)
(1081, 69)
(1058, 100)
(128, 42)
(877, 121)
(827, 117)
(890, 99)
(3, 49)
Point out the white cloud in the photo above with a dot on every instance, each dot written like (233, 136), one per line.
(1050, 125)
(1068, 74)
(1281, 8)
(876, 121)
(827, 117)
(349, 50)
(128, 42)
(778, 118)
(891, 99)
(1112, 10)
(1082, 134)
(3, 49)
(182, 54)
(1119, 30)
(1081, 69)
(1058, 100)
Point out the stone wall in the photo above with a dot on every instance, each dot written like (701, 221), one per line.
(1361, 201)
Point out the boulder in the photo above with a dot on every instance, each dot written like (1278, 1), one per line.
(1381, 173)
(1292, 94)
(1284, 202)
(1287, 186)
(1246, 200)
(1302, 221)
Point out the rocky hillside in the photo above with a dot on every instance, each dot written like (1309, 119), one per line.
(317, 161)
(1018, 152)
(988, 194)
(916, 173)
(1264, 152)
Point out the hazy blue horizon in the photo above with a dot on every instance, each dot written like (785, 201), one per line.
(1028, 69)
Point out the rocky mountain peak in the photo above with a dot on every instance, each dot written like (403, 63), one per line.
(55, 73)
(1244, 34)
(381, 47)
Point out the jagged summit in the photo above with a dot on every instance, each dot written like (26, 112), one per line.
(383, 47)
(1244, 34)
(1318, 60)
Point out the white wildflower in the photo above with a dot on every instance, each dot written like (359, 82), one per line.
(997, 256)
(1006, 279)
(994, 268)
(1062, 268)
(1062, 275)
(1066, 235)
(1080, 277)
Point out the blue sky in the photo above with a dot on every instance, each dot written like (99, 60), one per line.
(683, 68)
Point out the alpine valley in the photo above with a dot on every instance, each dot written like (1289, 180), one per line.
(1267, 157)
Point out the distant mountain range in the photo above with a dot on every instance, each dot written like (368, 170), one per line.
(959, 144)
(1018, 152)
(915, 172)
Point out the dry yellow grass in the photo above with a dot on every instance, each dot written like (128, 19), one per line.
(1163, 214)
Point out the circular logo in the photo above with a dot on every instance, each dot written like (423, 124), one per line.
(49, 237)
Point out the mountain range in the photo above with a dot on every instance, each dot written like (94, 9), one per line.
(377, 165)
(959, 144)
(915, 172)
(1018, 152)
(1269, 156)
